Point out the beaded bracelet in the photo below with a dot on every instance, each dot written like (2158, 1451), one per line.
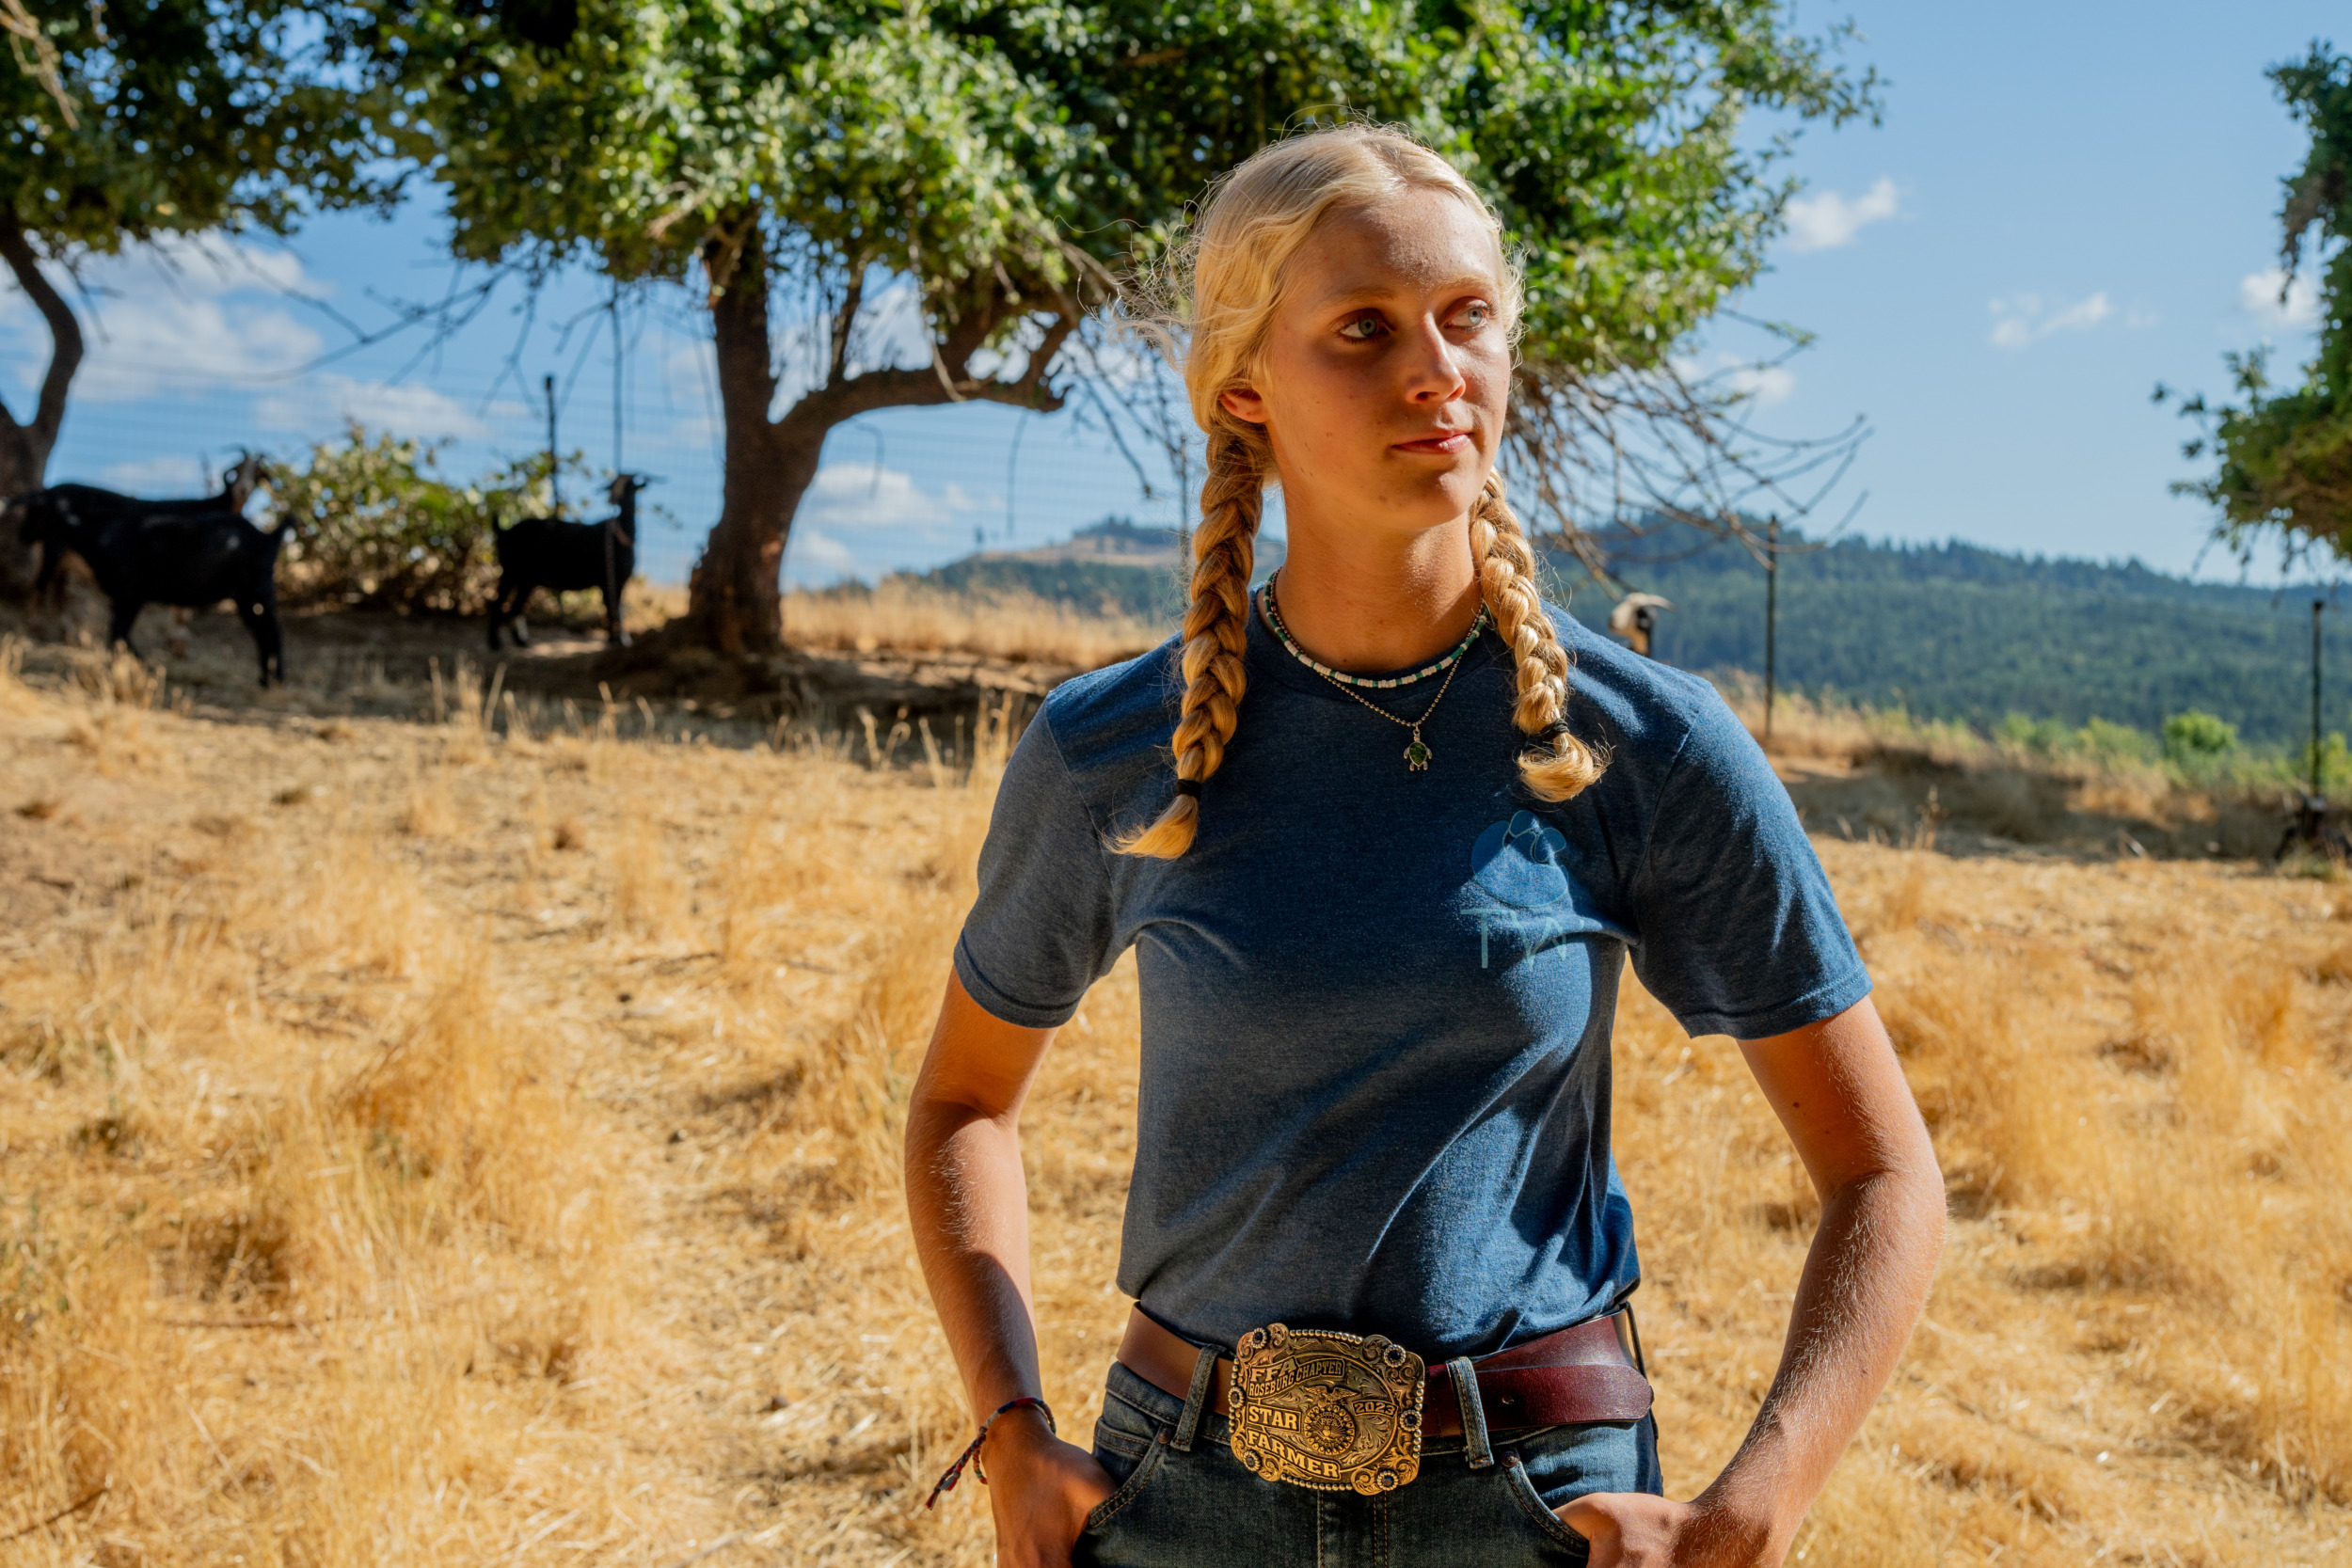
(971, 1455)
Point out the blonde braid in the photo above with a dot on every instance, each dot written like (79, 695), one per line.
(1217, 634)
(1559, 766)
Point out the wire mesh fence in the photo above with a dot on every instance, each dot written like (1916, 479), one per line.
(900, 488)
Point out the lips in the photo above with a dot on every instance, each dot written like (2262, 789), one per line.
(1445, 443)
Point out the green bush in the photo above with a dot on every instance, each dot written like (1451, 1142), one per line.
(2196, 736)
(2113, 743)
(2043, 737)
(377, 525)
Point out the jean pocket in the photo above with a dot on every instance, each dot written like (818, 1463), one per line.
(1531, 1503)
(1119, 1451)
(1139, 1471)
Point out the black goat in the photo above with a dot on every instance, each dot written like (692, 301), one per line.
(92, 505)
(546, 552)
(196, 559)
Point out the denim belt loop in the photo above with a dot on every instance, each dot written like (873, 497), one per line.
(1197, 1402)
(1473, 1414)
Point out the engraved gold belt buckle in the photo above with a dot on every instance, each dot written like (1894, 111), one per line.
(1337, 1412)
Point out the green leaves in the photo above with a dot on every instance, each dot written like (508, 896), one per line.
(375, 524)
(976, 139)
(187, 115)
(2285, 467)
(865, 132)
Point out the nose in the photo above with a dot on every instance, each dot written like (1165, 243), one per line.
(1434, 370)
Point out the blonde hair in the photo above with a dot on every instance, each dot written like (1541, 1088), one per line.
(1217, 292)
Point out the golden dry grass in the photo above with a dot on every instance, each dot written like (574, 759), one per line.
(906, 618)
(1879, 776)
(425, 1145)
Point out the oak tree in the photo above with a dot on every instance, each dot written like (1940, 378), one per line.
(907, 204)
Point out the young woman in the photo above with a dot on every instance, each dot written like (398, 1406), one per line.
(1416, 821)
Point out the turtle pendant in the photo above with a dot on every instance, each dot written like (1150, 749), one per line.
(1417, 755)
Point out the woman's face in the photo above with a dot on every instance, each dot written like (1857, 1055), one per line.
(1387, 368)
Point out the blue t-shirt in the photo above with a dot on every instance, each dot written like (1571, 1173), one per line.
(1377, 1003)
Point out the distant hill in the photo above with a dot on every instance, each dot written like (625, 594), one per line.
(1948, 631)
(1955, 631)
(1111, 568)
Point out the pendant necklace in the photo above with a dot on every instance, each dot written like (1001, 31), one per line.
(1417, 752)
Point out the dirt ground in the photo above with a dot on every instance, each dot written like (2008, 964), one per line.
(349, 664)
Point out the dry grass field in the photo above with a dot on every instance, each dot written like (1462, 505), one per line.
(425, 1142)
(900, 616)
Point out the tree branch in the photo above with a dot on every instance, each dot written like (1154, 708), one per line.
(65, 333)
(852, 299)
(1066, 318)
(845, 397)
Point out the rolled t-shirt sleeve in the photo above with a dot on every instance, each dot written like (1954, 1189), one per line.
(1041, 931)
(1739, 931)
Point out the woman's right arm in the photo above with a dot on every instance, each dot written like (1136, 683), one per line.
(968, 1202)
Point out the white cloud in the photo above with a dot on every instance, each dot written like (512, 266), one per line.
(2021, 319)
(2258, 297)
(187, 313)
(1826, 221)
(865, 520)
(406, 410)
(818, 554)
(182, 474)
(1764, 385)
(869, 497)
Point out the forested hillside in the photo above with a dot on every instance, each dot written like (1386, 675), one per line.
(1954, 631)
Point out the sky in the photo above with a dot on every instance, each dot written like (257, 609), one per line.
(2063, 207)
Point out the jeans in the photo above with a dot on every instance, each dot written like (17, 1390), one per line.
(1189, 1504)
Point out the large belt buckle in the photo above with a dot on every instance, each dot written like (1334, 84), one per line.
(1337, 1412)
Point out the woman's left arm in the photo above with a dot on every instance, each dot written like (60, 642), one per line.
(1837, 1089)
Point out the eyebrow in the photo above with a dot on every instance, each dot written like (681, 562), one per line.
(1370, 293)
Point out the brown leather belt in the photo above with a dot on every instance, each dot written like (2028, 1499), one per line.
(1584, 1373)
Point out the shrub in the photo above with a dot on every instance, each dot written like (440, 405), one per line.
(2113, 743)
(2194, 736)
(377, 525)
(2042, 737)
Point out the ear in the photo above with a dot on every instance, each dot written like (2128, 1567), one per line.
(1244, 404)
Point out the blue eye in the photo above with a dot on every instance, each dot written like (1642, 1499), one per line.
(1372, 325)
(1475, 315)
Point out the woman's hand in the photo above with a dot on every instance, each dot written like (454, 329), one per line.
(1633, 1530)
(1040, 1490)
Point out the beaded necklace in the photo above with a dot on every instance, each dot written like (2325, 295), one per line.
(1417, 752)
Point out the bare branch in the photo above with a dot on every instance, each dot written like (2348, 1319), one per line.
(852, 300)
(65, 332)
(36, 56)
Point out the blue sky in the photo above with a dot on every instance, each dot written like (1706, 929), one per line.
(2064, 206)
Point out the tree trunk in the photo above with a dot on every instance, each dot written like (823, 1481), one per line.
(733, 598)
(22, 463)
(24, 447)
